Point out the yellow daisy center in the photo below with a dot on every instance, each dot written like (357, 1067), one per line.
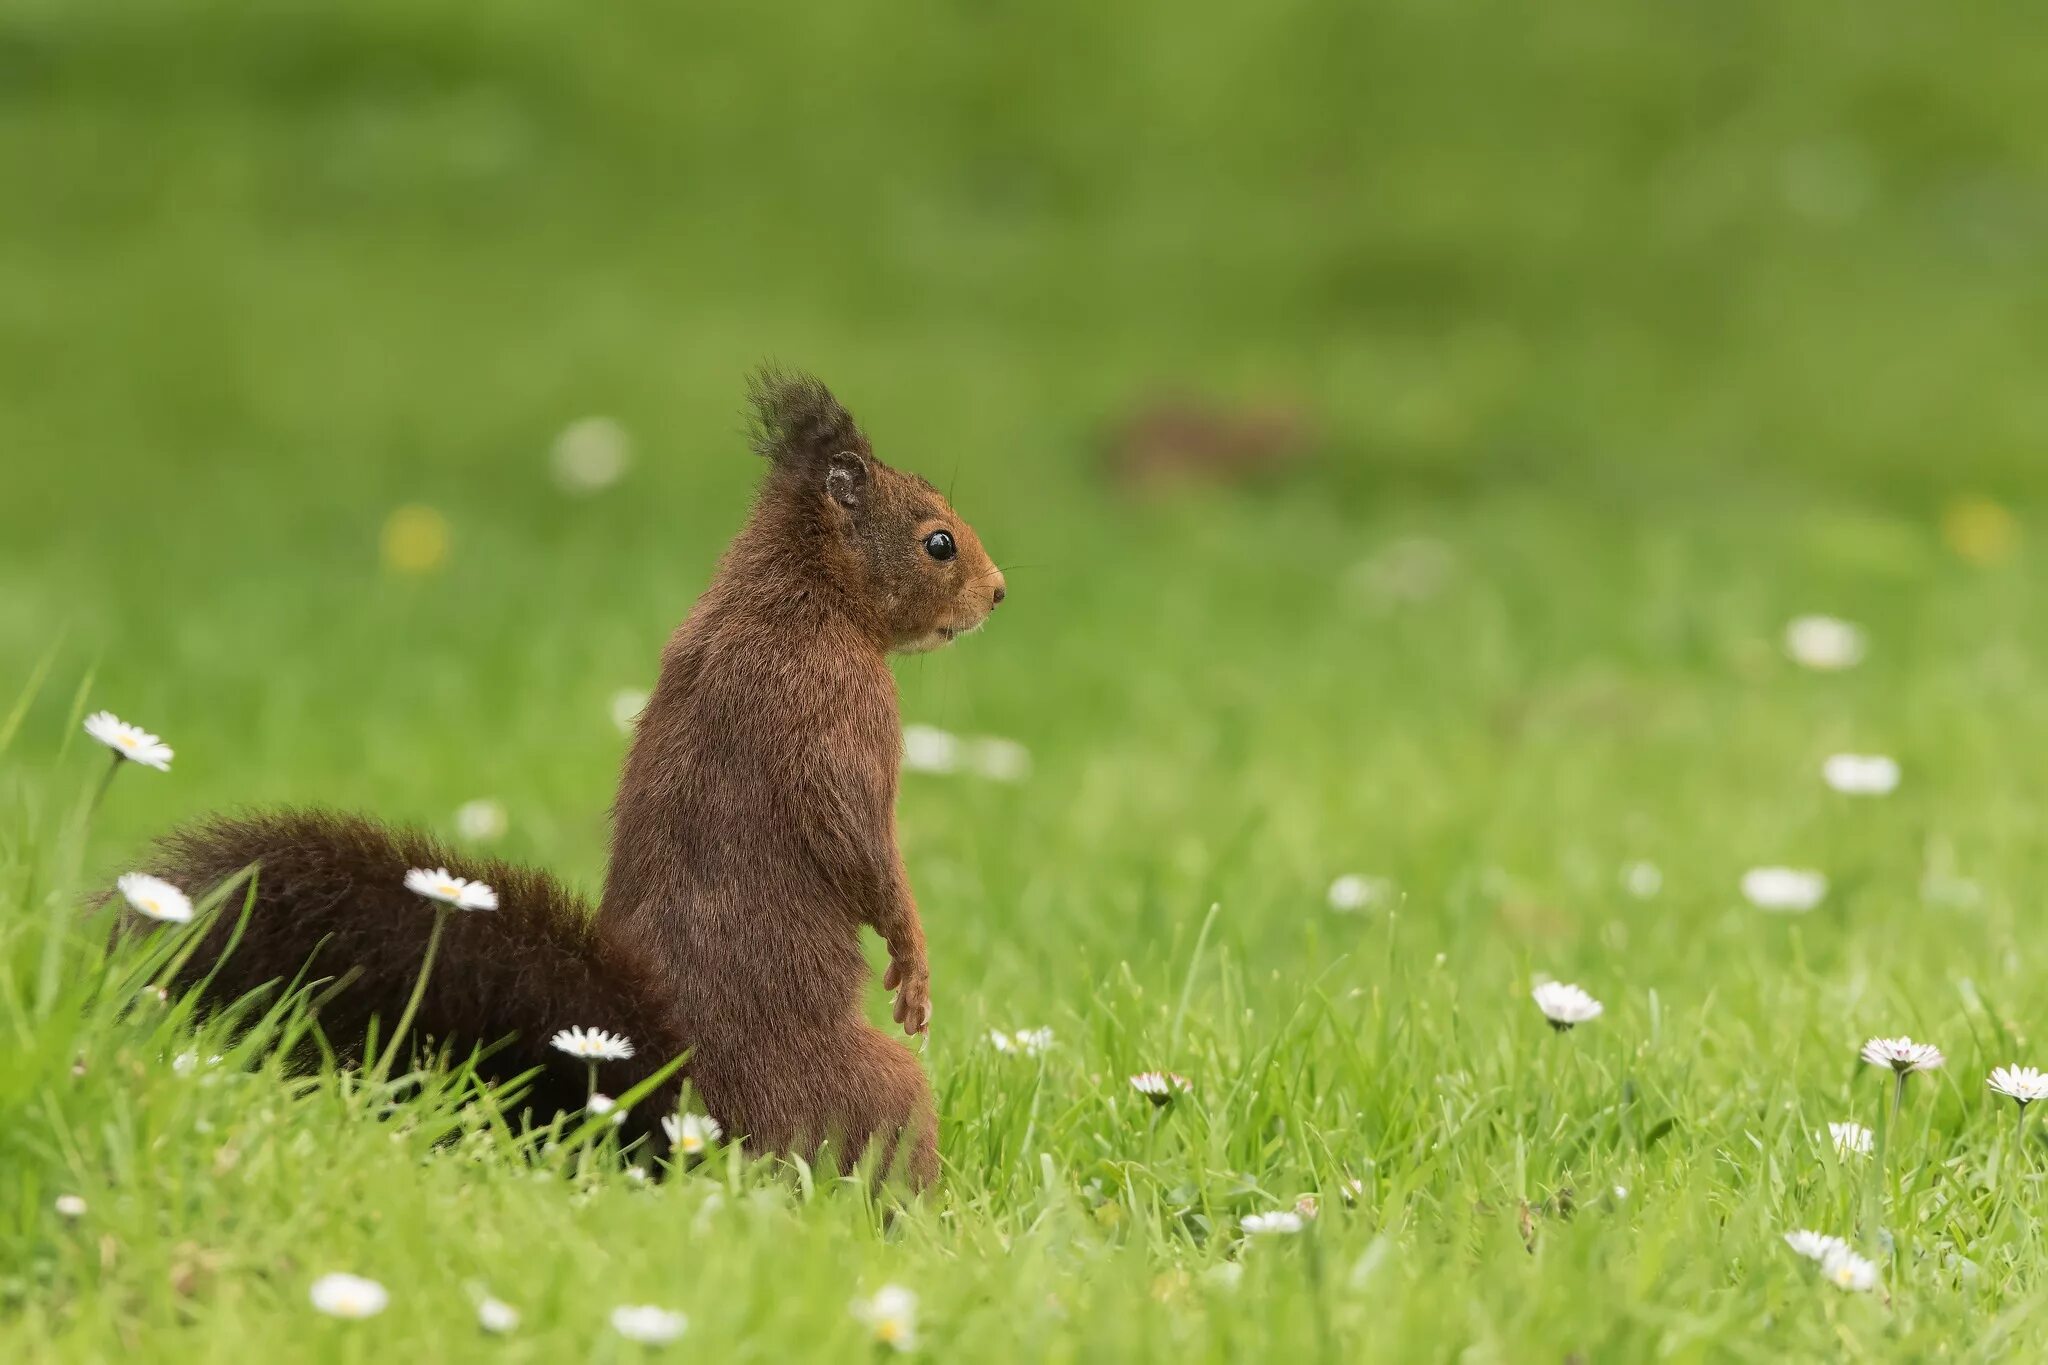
(127, 741)
(889, 1330)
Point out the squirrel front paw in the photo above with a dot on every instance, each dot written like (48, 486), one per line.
(912, 982)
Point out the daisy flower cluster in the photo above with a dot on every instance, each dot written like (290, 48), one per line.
(356, 1297)
(1025, 1042)
(1839, 1264)
(1825, 644)
(928, 749)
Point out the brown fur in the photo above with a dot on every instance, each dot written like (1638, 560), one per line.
(755, 830)
(754, 837)
(331, 899)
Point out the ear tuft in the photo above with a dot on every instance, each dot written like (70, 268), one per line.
(797, 421)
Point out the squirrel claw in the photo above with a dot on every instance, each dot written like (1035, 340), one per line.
(913, 1005)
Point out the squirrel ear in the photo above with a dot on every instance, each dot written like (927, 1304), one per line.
(846, 479)
(797, 421)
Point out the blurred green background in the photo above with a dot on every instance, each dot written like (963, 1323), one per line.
(1725, 304)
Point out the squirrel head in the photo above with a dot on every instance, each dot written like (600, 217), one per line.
(910, 564)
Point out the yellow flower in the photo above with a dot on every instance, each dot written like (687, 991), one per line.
(1980, 531)
(415, 540)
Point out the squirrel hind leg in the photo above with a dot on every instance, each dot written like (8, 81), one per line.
(904, 1117)
(873, 1109)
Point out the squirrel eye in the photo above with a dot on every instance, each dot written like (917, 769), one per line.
(939, 545)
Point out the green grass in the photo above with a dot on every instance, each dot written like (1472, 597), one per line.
(1664, 324)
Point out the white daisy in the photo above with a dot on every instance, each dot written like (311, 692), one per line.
(348, 1296)
(891, 1315)
(443, 885)
(1902, 1055)
(1026, 1042)
(1564, 1005)
(1814, 1246)
(1642, 880)
(1348, 892)
(1161, 1087)
(593, 1044)
(1281, 1223)
(605, 1104)
(481, 820)
(1846, 1270)
(496, 1316)
(1851, 1139)
(70, 1206)
(130, 742)
(691, 1133)
(1000, 760)
(2022, 1083)
(1784, 890)
(1824, 643)
(1354, 891)
(1224, 1276)
(1861, 774)
(928, 749)
(155, 897)
(627, 704)
(591, 454)
(648, 1325)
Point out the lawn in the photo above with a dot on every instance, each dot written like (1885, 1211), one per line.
(1627, 335)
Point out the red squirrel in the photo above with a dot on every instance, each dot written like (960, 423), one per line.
(754, 836)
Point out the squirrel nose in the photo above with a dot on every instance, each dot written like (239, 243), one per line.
(1000, 593)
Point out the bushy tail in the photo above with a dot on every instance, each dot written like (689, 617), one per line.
(331, 903)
